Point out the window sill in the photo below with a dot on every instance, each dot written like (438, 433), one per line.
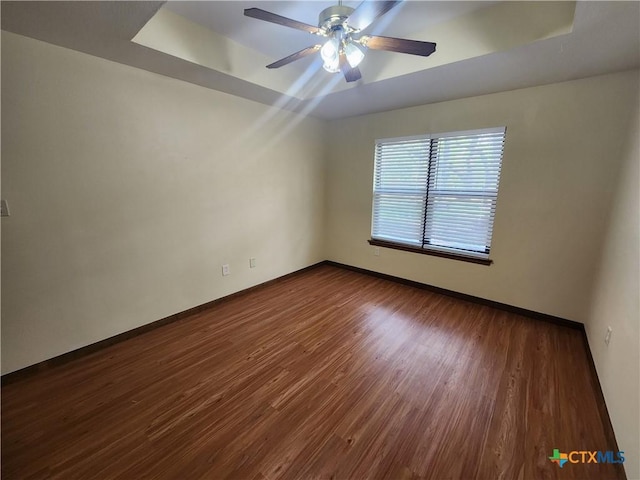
(435, 253)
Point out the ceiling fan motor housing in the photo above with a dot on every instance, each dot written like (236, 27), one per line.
(333, 17)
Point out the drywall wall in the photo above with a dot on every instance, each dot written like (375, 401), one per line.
(616, 304)
(129, 190)
(561, 160)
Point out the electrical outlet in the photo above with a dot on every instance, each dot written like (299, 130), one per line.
(607, 337)
(225, 270)
(376, 251)
(252, 263)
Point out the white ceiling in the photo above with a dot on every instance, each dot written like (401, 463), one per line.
(474, 56)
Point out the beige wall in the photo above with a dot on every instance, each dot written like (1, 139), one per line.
(561, 157)
(616, 303)
(128, 190)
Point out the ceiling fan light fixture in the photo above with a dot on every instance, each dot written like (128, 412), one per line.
(354, 54)
(339, 24)
(330, 53)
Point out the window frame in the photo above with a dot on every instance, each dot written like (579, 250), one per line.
(472, 256)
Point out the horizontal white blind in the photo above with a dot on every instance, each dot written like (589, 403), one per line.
(438, 192)
(463, 188)
(400, 190)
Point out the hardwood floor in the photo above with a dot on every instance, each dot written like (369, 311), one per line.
(327, 374)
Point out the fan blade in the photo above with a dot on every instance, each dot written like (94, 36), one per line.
(350, 74)
(295, 56)
(280, 20)
(368, 11)
(401, 45)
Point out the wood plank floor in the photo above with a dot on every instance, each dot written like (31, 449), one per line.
(326, 374)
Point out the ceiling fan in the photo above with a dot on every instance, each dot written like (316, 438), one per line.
(346, 44)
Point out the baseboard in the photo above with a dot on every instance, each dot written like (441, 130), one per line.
(11, 377)
(94, 347)
(463, 296)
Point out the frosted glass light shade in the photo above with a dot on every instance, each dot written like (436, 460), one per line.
(330, 54)
(354, 54)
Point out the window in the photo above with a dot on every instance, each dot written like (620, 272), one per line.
(437, 193)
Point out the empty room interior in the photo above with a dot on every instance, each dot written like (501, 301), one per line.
(316, 239)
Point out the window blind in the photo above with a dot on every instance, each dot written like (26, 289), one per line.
(438, 191)
(400, 190)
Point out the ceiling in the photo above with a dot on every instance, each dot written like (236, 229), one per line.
(483, 47)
